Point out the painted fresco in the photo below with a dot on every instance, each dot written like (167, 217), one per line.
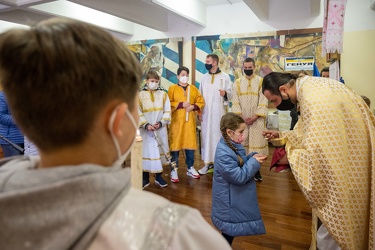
(268, 50)
(161, 55)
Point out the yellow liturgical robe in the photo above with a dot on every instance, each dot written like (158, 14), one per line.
(182, 133)
(332, 155)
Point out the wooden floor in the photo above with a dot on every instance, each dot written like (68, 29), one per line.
(285, 211)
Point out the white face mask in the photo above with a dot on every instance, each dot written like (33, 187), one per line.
(121, 158)
(184, 79)
(153, 85)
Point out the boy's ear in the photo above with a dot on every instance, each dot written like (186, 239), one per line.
(117, 119)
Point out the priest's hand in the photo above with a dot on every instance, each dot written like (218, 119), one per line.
(270, 134)
(190, 108)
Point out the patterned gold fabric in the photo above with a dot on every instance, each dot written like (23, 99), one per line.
(247, 101)
(332, 155)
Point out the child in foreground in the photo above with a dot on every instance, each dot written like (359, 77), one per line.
(235, 210)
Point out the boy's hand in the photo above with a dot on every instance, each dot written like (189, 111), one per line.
(150, 128)
(156, 125)
(190, 108)
(185, 104)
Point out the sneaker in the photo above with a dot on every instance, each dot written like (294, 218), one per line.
(145, 183)
(258, 176)
(206, 169)
(160, 181)
(193, 173)
(285, 170)
(174, 176)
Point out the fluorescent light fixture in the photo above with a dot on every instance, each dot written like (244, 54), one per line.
(82, 13)
(193, 10)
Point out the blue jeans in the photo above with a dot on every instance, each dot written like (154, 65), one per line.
(9, 150)
(189, 157)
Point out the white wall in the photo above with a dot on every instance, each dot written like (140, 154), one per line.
(283, 15)
(238, 18)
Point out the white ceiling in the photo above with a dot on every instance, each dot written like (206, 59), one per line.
(119, 15)
(219, 2)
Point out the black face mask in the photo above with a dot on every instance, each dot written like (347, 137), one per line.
(248, 72)
(208, 66)
(285, 104)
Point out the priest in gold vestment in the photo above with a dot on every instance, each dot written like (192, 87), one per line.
(331, 152)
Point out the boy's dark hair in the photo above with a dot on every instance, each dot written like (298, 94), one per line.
(325, 69)
(367, 100)
(181, 69)
(58, 75)
(152, 74)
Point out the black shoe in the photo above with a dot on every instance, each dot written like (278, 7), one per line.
(145, 180)
(160, 181)
(258, 177)
(145, 183)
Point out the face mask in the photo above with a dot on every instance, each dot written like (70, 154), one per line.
(240, 138)
(184, 79)
(121, 158)
(208, 66)
(153, 85)
(285, 104)
(248, 72)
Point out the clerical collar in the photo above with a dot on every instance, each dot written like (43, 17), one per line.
(217, 72)
(184, 87)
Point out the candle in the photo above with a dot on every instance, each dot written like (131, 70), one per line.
(188, 100)
(221, 84)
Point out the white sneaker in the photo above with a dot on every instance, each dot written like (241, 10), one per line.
(174, 176)
(193, 173)
(205, 169)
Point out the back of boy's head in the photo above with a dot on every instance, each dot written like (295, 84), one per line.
(152, 74)
(59, 75)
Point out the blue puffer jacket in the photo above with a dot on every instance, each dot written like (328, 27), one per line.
(8, 128)
(235, 209)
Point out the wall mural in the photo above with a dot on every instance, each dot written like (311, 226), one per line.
(162, 55)
(267, 49)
